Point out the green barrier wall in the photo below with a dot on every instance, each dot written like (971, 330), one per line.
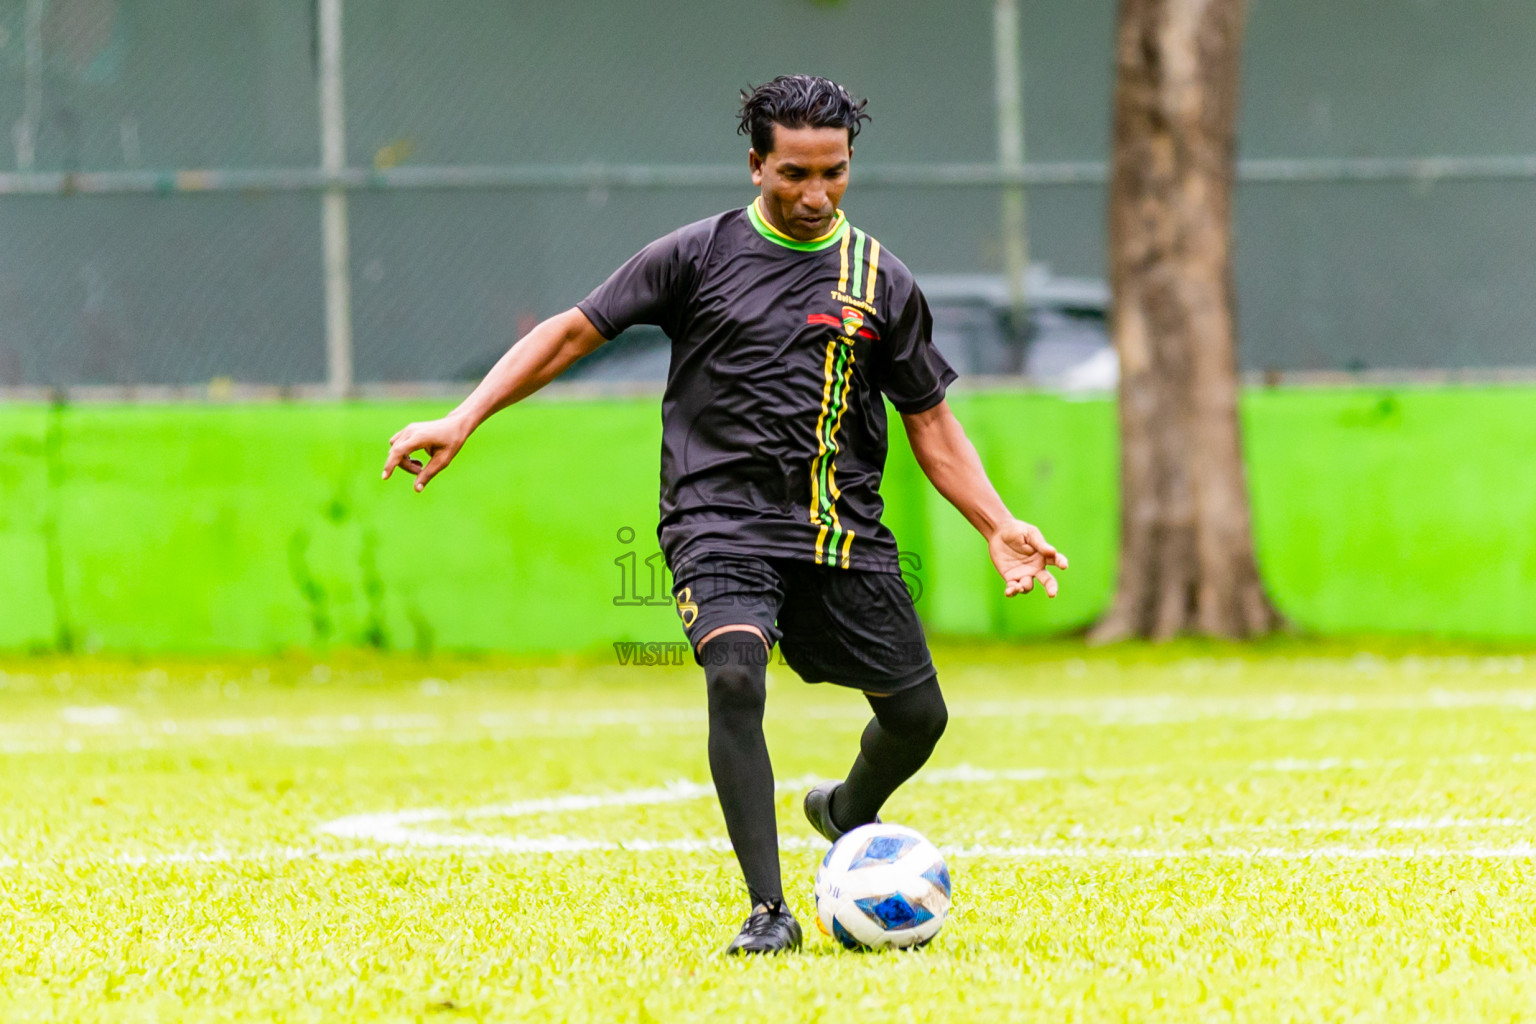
(259, 528)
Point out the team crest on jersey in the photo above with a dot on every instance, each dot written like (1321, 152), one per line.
(852, 321)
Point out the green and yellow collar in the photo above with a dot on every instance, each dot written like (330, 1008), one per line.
(773, 234)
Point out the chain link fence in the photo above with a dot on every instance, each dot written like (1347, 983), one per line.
(161, 207)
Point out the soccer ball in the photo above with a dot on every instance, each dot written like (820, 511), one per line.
(882, 886)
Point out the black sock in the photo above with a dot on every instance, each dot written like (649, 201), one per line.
(896, 743)
(735, 670)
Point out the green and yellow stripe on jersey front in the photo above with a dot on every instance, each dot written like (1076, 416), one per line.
(863, 282)
(824, 492)
(833, 543)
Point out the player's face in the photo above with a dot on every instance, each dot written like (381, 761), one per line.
(803, 179)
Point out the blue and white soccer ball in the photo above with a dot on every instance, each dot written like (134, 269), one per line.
(882, 887)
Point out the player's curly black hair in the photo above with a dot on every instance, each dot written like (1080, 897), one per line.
(797, 101)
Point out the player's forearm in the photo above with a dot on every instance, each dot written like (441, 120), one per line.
(537, 358)
(949, 460)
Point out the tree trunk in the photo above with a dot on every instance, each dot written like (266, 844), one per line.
(1186, 547)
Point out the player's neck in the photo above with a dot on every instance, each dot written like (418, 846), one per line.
(765, 219)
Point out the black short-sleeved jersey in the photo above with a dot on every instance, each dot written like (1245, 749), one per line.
(773, 426)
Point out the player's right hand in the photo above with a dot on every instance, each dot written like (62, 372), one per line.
(440, 439)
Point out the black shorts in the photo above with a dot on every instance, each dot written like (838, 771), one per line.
(851, 627)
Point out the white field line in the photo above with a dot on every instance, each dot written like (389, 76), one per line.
(402, 828)
(1285, 765)
(399, 833)
(1518, 851)
(500, 845)
(81, 729)
(1164, 709)
(1077, 833)
(398, 826)
(557, 845)
(339, 730)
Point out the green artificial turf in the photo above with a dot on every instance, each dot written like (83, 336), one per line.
(1287, 832)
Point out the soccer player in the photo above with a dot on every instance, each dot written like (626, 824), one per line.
(790, 328)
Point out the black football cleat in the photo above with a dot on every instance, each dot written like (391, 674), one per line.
(818, 811)
(770, 929)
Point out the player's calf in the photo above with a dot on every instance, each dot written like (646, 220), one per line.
(896, 743)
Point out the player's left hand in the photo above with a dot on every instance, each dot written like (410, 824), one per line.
(1024, 557)
(440, 439)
